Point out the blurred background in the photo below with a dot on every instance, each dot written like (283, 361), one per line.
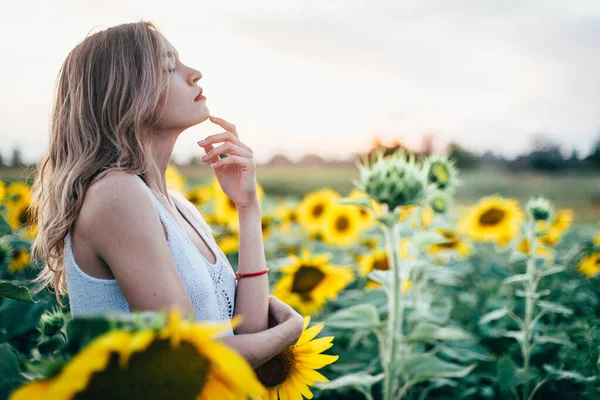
(509, 89)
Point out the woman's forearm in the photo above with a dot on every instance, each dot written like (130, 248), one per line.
(258, 348)
(252, 295)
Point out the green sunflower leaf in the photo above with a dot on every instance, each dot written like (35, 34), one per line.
(560, 374)
(12, 291)
(493, 315)
(417, 368)
(554, 307)
(363, 316)
(551, 270)
(5, 229)
(423, 239)
(515, 278)
(359, 379)
(10, 372)
(426, 332)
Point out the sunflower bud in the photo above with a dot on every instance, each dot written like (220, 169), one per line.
(51, 322)
(395, 180)
(540, 209)
(441, 172)
(440, 202)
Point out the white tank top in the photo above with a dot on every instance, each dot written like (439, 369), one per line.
(211, 286)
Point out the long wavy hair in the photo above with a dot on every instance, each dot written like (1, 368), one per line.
(106, 97)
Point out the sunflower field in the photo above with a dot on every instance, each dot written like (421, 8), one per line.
(406, 295)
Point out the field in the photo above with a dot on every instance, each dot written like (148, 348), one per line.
(498, 298)
(579, 191)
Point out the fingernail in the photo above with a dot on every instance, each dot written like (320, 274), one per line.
(201, 142)
(203, 157)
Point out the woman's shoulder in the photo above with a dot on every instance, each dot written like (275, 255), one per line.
(116, 196)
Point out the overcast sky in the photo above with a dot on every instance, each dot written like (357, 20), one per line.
(327, 76)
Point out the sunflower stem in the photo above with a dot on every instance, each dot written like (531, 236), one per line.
(530, 288)
(396, 313)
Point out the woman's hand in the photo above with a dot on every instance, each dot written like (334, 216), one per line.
(236, 173)
(279, 313)
(285, 328)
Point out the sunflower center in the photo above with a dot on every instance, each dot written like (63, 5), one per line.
(305, 280)
(231, 204)
(25, 216)
(452, 240)
(381, 264)
(491, 217)
(342, 223)
(158, 372)
(277, 370)
(317, 210)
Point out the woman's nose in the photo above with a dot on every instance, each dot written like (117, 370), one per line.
(196, 76)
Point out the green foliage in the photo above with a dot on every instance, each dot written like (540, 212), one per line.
(11, 291)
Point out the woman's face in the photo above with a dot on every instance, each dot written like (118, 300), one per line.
(179, 105)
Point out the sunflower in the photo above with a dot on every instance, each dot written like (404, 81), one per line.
(376, 261)
(342, 225)
(541, 251)
(2, 192)
(19, 261)
(225, 209)
(366, 217)
(493, 219)
(181, 361)
(453, 244)
(371, 242)
(554, 231)
(199, 195)
(590, 266)
(309, 282)
(411, 214)
(21, 215)
(174, 178)
(229, 243)
(18, 193)
(313, 208)
(266, 225)
(287, 217)
(288, 375)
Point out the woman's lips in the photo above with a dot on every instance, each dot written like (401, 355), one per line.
(200, 97)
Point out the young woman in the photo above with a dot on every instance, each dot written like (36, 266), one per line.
(111, 234)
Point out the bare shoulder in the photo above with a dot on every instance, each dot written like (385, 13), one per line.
(120, 222)
(116, 205)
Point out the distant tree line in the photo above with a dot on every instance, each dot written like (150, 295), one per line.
(545, 155)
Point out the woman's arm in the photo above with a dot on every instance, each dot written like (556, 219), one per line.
(252, 295)
(119, 221)
(258, 348)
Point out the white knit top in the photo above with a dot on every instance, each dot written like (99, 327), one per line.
(211, 286)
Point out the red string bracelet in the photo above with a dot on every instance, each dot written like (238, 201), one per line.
(251, 274)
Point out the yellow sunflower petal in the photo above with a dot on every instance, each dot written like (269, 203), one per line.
(310, 333)
(310, 376)
(315, 361)
(32, 391)
(300, 386)
(316, 346)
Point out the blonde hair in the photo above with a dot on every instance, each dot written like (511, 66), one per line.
(106, 96)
